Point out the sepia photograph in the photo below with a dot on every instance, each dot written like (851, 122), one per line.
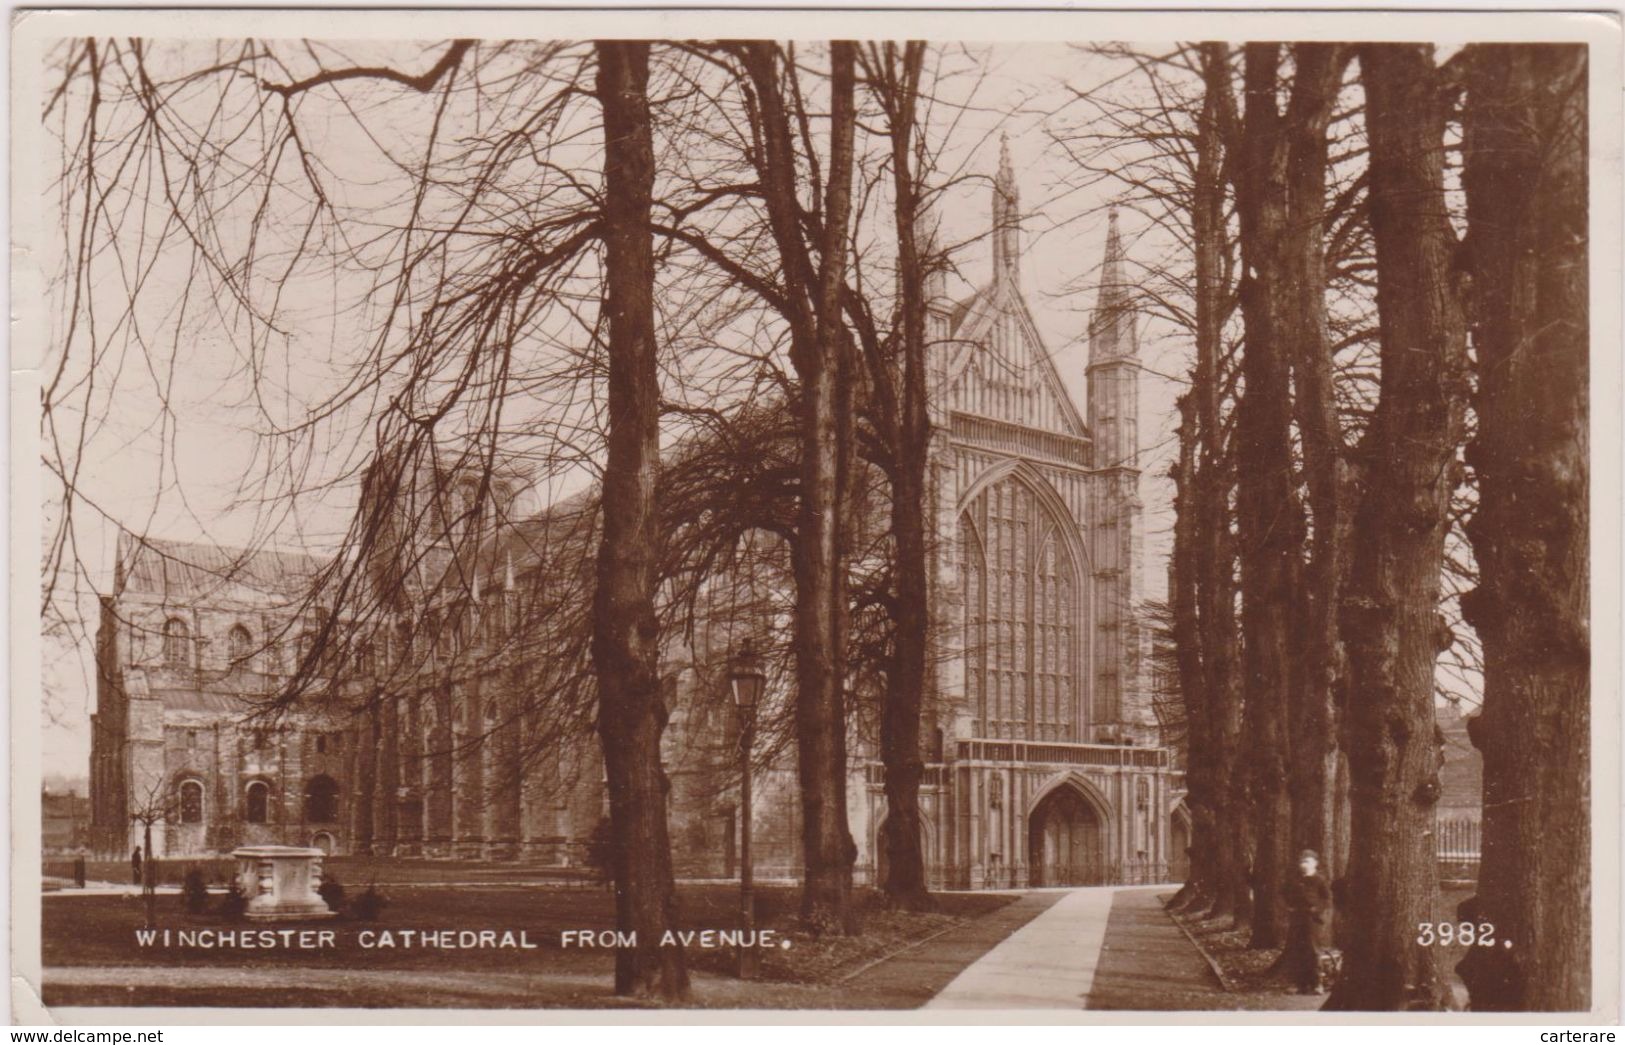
(958, 513)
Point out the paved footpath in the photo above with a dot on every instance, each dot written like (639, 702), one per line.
(1049, 963)
(919, 974)
(1099, 949)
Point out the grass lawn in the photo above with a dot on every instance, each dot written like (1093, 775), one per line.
(87, 933)
(1248, 971)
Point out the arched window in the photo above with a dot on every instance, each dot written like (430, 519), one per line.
(177, 643)
(403, 644)
(1142, 822)
(258, 802)
(191, 802)
(460, 509)
(240, 646)
(322, 800)
(1021, 616)
(468, 492)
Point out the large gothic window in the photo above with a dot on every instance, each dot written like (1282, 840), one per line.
(240, 646)
(258, 802)
(322, 800)
(191, 802)
(1021, 616)
(177, 643)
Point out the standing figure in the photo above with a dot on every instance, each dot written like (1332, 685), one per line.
(135, 864)
(1308, 899)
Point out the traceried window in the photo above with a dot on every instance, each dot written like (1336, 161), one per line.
(258, 802)
(1142, 819)
(433, 642)
(468, 492)
(1022, 611)
(403, 645)
(191, 802)
(365, 663)
(493, 619)
(322, 800)
(177, 643)
(240, 646)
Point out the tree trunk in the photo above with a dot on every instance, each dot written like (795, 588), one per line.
(900, 747)
(1391, 620)
(820, 549)
(821, 356)
(1526, 182)
(1215, 551)
(1271, 524)
(625, 641)
(905, 884)
(149, 875)
(1202, 798)
(1183, 602)
(1313, 711)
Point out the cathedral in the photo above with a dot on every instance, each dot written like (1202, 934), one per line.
(1044, 764)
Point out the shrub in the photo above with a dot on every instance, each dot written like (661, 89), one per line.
(234, 904)
(195, 891)
(819, 924)
(332, 892)
(369, 904)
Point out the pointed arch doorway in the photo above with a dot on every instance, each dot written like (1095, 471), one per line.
(1066, 840)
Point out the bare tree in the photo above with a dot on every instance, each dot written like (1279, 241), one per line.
(813, 255)
(1408, 465)
(626, 636)
(157, 806)
(1214, 557)
(1167, 146)
(1197, 705)
(1527, 247)
(1281, 192)
(1314, 710)
(1268, 507)
(896, 405)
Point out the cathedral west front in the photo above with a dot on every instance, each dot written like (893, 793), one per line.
(1044, 765)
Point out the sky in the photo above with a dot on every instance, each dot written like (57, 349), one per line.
(190, 475)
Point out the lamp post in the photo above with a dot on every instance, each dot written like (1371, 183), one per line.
(747, 680)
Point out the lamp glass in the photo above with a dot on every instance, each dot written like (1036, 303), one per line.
(747, 679)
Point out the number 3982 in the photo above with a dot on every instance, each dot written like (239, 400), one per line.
(1468, 934)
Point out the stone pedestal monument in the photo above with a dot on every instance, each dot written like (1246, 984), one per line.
(280, 882)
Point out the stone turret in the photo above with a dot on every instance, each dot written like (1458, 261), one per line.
(1006, 220)
(1121, 699)
(1114, 362)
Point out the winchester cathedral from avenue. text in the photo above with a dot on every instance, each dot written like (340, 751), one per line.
(1044, 762)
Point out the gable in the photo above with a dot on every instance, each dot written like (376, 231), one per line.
(1001, 369)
